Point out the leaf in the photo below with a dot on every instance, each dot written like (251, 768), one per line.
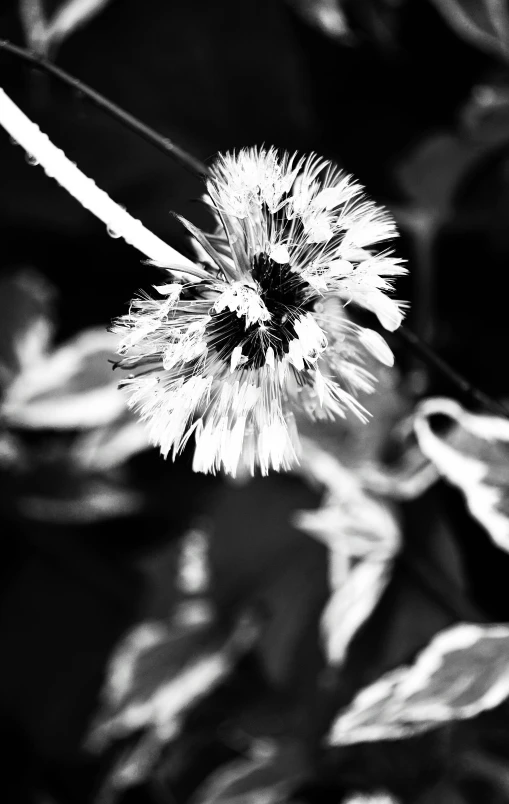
(43, 33)
(484, 24)
(408, 479)
(263, 779)
(71, 388)
(362, 536)
(325, 15)
(472, 455)
(81, 500)
(155, 677)
(105, 448)
(461, 673)
(25, 322)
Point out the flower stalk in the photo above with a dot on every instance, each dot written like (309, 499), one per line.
(164, 144)
(198, 168)
(57, 165)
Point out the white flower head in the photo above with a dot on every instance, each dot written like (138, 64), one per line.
(259, 331)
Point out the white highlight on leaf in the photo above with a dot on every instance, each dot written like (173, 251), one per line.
(122, 666)
(72, 15)
(42, 33)
(363, 538)
(158, 672)
(461, 673)
(272, 770)
(474, 456)
(193, 572)
(58, 166)
(107, 447)
(71, 387)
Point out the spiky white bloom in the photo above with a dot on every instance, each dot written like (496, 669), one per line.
(258, 330)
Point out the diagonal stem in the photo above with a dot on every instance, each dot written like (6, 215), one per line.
(162, 143)
(434, 360)
(198, 168)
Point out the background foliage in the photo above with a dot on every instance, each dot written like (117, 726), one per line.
(332, 636)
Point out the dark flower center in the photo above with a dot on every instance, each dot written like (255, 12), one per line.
(286, 297)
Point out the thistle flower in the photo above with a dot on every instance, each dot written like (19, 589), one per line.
(255, 331)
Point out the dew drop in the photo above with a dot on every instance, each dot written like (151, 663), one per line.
(112, 232)
(32, 160)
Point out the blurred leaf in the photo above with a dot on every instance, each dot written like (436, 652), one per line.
(461, 673)
(362, 536)
(81, 500)
(25, 322)
(409, 478)
(430, 173)
(474, 456)
(266, 778)
(44, 32)
(104, 448)
(156, 676)
(357, 444)
(494, 770)
(71, 388)
(325, 15)
(483, 23)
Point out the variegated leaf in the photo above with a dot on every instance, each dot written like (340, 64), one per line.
(158, 673)
(72, 387)
(461, 673)
(473, 455)
(266, 776)
(363, 537)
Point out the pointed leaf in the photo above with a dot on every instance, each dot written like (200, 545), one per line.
(266, 778)
(461, 673)
(474, 456)
(159, 672)
(72, 388)
(43, 32)
(107, 447)
(363, 538)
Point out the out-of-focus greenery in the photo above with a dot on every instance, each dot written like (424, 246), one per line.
(335, 635)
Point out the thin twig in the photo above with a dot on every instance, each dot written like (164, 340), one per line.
(430, 357)
(57, 165)
(162, 143)
(201, 170)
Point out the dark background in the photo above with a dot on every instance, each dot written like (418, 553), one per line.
(398, 104)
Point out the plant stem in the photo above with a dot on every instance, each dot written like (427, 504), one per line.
(164, 144)
(434, 360)
(56, 164)
(198, 168)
